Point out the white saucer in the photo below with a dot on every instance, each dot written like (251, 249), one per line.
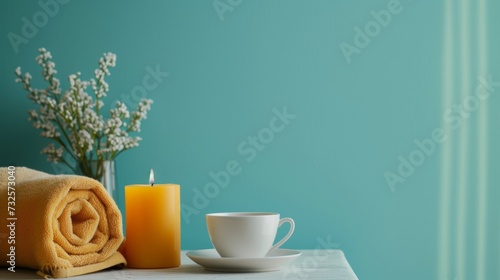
(211, 260)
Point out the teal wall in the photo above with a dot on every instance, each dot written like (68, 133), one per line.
(353, 119)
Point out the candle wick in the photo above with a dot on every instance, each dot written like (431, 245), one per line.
(152, 184)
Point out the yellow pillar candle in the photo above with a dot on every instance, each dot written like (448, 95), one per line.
(153, 225)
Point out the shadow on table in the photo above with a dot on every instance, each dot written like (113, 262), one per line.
(23, 273)
(113, 273)
(183, 269)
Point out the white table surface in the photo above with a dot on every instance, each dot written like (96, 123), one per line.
(312, 264)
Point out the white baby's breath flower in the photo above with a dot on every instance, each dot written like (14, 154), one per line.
(85, 140)
(92, 122)
(51, 152)
(98, 72)
(33, 115)
(59, 152)
(27, 78)
(48, 128)
(99, 104)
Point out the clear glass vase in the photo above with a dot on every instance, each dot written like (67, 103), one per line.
(107, 179)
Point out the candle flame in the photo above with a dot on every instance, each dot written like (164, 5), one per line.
(151, 177)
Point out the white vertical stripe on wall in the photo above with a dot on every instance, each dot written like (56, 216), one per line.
(448, 76)
(463, 154)
(482, 160)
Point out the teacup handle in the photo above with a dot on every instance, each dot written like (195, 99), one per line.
(284, 239)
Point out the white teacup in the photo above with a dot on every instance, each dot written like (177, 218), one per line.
(246, 234)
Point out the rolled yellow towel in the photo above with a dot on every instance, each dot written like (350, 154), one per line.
(65, 225)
